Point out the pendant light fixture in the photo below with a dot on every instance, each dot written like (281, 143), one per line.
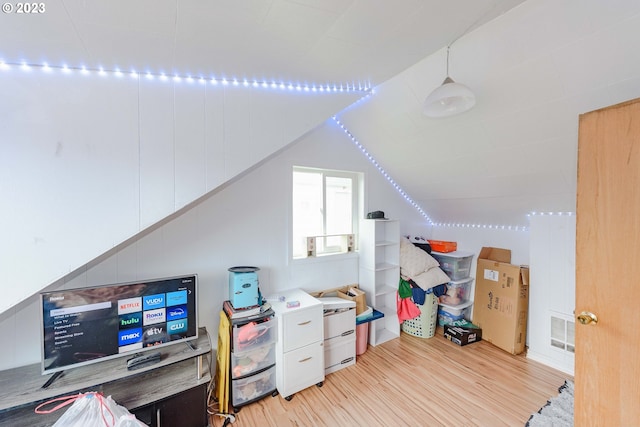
(450, 98)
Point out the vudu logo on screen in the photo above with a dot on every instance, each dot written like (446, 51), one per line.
(149, 302)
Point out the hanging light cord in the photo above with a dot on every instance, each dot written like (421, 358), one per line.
(472, 26)
(448, 47)
(469, 28)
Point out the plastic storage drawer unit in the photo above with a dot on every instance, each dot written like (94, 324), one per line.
(457, 264)
(254, 334)
(447, 314)
(256, 386)
(458, 292)
(249, 361)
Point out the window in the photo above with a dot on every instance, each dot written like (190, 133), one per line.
(324, 209)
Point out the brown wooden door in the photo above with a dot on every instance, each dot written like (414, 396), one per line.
(607, 360)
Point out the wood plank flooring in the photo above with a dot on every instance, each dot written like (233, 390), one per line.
(413, 381)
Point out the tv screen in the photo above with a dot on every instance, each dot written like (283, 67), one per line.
(87, 325)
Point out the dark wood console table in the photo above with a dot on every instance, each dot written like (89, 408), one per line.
(170, 392)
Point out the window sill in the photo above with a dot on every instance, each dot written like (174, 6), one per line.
(325, 258)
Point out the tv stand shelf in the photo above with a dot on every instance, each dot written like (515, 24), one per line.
(180, 368)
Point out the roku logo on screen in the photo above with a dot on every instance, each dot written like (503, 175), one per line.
(129, 305)
(152, 317)
(153, 301)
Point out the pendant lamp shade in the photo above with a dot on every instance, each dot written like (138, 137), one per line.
(449, 99)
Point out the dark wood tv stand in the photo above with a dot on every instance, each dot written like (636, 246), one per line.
(170, 392)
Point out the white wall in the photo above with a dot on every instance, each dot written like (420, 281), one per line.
(553, 283)
(244, 223)
(88, 161)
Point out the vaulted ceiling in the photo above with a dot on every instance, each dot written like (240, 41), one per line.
(534, 66)
(313, 41)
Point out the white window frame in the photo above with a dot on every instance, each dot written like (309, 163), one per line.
(356, 179)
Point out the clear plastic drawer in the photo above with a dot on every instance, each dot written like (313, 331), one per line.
(246, 362)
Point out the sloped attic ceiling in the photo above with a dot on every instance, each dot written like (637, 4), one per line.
(305, 42)
(534, 70)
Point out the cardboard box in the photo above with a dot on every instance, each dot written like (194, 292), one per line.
(349, 292)
(353, 293)
(462, 335)
(501, 300)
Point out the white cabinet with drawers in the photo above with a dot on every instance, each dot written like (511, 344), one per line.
(339, 333)
(300, 345)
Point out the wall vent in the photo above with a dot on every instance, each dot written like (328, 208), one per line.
(563, 332)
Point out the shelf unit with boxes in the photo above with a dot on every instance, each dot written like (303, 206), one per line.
(457, 303)
(379, 275)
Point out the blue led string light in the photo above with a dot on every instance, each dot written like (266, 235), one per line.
(366, 89)
(530, 214)
(116, 72)
(383, 172)
(482, 226)
(419, 209)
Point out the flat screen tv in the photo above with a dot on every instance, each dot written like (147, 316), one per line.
(87, 325)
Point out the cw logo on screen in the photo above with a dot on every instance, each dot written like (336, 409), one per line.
(177, 326)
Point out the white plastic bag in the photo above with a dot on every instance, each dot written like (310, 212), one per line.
(90, 410)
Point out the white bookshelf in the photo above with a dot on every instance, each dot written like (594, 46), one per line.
(379, 275)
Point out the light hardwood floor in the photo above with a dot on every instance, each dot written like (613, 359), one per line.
(413, 381)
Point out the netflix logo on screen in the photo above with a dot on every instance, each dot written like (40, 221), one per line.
(129, 305)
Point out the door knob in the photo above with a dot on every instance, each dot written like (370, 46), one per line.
(587, 318)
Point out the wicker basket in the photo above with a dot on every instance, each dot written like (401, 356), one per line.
(424, 326)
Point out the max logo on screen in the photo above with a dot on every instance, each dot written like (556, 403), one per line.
(129, 336)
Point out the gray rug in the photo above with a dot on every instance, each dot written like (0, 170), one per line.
(558, 412)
